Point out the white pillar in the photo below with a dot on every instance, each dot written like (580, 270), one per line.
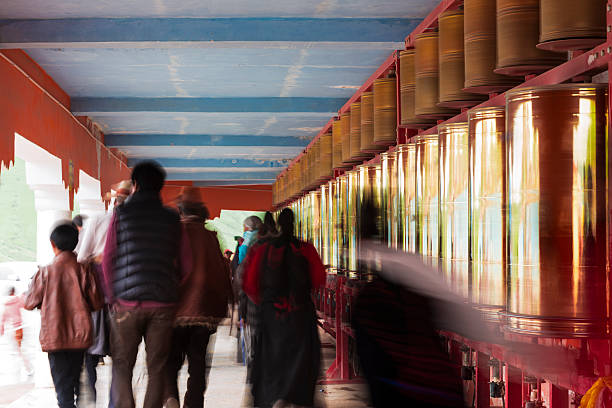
(88, 196)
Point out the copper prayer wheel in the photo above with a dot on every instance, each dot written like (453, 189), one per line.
(325, 156)
(352, 218)
(557, 239)
(454, 206)
(407, 90)
(572, 25)
(385, 111)
(518, 32)
(452, 62)
(356, 151)
(480, 49)
(367, 145)
(342, 223)
(488, 210)
(370, 183)
(427, 78)
(427, 198)
(406, 177)
(345, 129)
(333, 208)
(325, 236)
(337, 144)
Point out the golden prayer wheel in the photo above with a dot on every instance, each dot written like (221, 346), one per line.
(315, 219)
(325, 157)
(488, 210)
(572, 25)
(407, 90)
(325, 224)
(352, 226)
(557, 239)
(390, 205)
(427, 78)
(367, 144)
(356, 151)
(342, 224)
(452, 63)
(406, 157)
(454, 206)
(345, 126)
(334, 248)
(385, 111)
(337, 145)
(427, 198)
(518, 31)
(481, 47)
(370, 183)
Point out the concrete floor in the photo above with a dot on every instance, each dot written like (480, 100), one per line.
(226, 382)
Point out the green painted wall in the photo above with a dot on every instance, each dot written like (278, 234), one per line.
(17, 215)
(228, 225)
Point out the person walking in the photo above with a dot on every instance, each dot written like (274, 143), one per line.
(66, 293)
(145, 257)
(279, 276)
(204, 297)
(90, 249)
(12, 322)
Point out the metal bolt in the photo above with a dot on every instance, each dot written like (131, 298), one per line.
(609, 8)
(609, 49)
(609, 28)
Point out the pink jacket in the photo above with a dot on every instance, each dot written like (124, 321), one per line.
(11, 318)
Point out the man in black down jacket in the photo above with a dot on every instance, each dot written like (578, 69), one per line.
(145, 255)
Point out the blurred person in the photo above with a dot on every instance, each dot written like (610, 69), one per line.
(12, 322)
(247, 310)
(66, 293)
(279, 276)
(268, 229)
(145, 256)
(204, 296)
(90, 249)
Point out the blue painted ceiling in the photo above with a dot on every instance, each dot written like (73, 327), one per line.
(220, 92)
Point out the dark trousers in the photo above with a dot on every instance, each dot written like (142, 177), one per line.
(65, 372)
(128, 328)
(190, 342)
(91, 363)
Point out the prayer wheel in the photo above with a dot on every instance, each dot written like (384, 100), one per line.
(480, 49)
(572, 25)
(342, 224)
(488, 210)
(325, 223)
(518, 31)
(452, 62)
(356, 151)
(557, 238)
(427, 78)
(325, 160)
(407, 90)
(390, 198)
(454, 206)
(352, 218)
(370, 182)
(345, 126)
(337, 144)
(333, 205)
(367, 145)
(385, 111)
(315, 218)
(406, 157)
(427, 198)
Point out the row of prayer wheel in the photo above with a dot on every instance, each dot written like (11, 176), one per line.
(510, 207)
(487, 47)
(369, 127)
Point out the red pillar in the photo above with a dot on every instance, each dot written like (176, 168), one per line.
(513, 380)
(483, 399)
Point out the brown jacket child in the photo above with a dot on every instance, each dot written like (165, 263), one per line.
(66, 293)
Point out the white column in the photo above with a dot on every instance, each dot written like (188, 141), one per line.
(88, 196)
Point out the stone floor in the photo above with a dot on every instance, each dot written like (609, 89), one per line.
(226, 383)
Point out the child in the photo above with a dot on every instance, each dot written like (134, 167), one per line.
(11, 320)
(66, 293)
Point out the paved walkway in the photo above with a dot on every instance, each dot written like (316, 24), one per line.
(226, 382)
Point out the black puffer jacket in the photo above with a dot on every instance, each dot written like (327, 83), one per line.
(146, 260)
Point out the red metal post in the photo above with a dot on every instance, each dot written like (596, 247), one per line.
(483, 399)
(513, 382)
